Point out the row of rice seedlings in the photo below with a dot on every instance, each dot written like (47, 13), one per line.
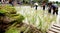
(44, 22)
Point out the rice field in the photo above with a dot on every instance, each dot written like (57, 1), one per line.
(38, 18)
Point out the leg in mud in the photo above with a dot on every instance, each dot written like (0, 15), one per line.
(56, 11)
(53, 12)
(36, 7)
(49, 12)
(44, 8)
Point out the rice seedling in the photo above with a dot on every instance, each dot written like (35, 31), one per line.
(38, 18)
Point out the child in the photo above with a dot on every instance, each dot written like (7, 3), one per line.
(36, 5)
(55, 9)
(49, 10)
(49, 5)
(43, 5)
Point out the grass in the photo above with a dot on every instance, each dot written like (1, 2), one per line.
(37, 18)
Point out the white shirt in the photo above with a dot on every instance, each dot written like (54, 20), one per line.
(55, 5)
(35, 3)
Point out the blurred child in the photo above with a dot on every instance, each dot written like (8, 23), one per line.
(55, 9)
(52, 7)
(49, 7)
(43, 5)
(36, 5)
